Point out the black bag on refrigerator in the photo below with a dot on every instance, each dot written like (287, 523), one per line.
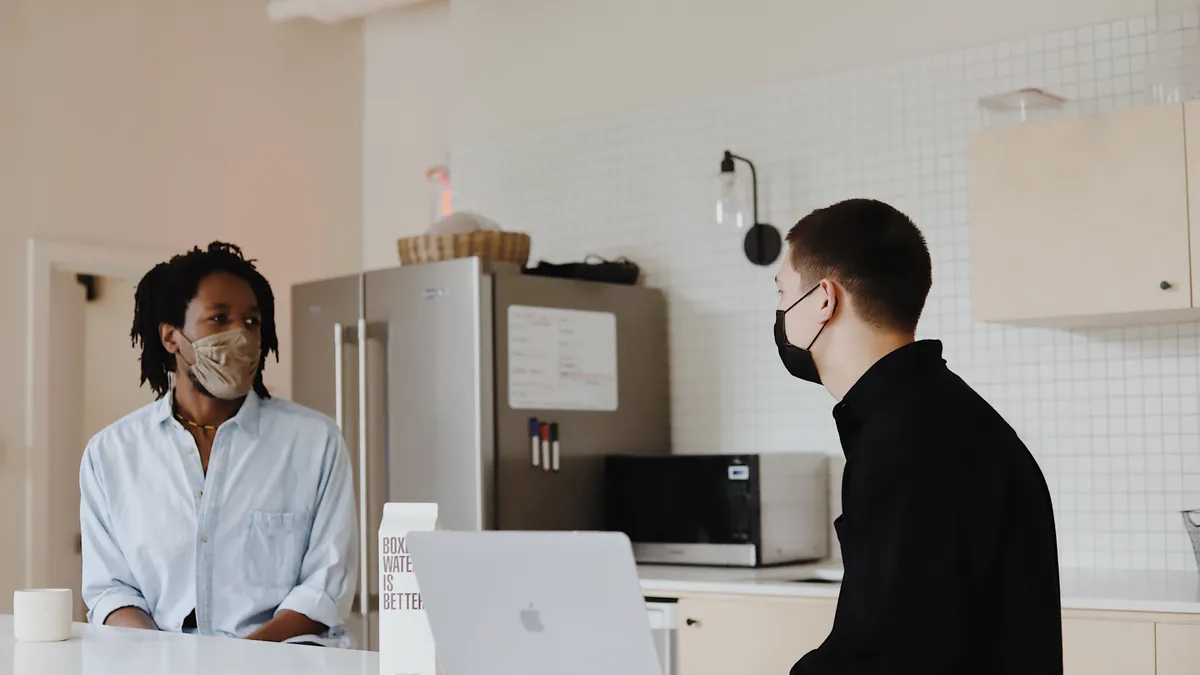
(593, 268)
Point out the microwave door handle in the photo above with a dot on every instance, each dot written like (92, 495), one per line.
(364, 565)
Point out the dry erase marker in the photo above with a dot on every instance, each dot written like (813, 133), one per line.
(534, 440)
(545, 446)
(554, 446)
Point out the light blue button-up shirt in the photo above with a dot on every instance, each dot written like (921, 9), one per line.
(271, 526)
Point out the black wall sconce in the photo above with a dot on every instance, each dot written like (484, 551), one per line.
(762, 242)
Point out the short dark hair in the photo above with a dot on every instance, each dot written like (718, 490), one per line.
(874, 251)
(163, 295)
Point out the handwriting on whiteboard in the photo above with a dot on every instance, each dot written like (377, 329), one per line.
(561, 359)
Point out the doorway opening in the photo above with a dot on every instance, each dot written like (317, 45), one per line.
(82, 375)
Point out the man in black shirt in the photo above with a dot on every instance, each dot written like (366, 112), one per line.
(947, 530)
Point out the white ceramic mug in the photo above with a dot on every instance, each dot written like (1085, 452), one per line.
(42, 614)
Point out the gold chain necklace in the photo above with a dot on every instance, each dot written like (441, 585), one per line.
(190, 423)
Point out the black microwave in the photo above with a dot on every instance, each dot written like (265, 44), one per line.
(745, 510)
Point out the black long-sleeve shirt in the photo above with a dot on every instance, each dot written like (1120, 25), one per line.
(947, 533)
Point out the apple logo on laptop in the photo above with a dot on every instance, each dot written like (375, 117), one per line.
(531, 619)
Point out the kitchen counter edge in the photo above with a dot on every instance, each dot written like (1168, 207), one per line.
(1113, 590)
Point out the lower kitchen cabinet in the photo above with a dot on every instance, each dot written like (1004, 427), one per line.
(1100, 647)
(1178, 649)
(736, 634)
(721, 635)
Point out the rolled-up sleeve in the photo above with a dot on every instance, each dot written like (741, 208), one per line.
(328, 573)
(108, 583)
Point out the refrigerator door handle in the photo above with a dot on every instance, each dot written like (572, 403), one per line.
(364, 568)
(339, 382)
(339, 398)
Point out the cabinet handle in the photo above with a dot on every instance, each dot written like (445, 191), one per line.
(693, 622)
(1165, 285)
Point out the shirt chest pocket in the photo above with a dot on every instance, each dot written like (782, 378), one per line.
(274, 548)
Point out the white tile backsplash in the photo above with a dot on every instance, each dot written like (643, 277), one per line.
(1113, 415)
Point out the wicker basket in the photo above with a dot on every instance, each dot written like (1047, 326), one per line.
(495, 245)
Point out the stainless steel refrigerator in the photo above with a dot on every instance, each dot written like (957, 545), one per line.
(436, 374)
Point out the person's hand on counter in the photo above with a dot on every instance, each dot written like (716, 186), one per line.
(285, 626)
(130, 617)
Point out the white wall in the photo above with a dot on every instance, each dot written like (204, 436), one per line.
(410, 78)
(166, 124)
(110, 377)
(1112, 415)
(596, 126)
(521, 65)
(530, 63)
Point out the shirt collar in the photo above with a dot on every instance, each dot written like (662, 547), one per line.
(247, 416)
(890, 374)
(162, 408)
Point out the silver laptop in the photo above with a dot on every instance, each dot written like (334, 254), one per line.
(534, 603)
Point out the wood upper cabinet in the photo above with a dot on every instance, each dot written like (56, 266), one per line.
(1191, 124)
(1085, 218)
(726, 636)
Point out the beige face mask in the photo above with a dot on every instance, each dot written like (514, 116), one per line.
(226, 363)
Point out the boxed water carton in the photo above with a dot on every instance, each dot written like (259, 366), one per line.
(405, 640)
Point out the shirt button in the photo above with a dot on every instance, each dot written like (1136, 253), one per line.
(203, 540)
(199, 494)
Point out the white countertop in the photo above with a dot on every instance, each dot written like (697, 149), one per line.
(1116, 590)
(777, 581)
(101, 650)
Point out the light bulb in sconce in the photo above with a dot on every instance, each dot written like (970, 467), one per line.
(761, 241)
(729, 207)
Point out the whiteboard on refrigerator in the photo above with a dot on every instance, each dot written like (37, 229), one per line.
(561, 359)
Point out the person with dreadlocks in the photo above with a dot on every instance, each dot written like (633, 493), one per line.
(217, 509)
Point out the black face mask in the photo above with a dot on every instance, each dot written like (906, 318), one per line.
(799, 362)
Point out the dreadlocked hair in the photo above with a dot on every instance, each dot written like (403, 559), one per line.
(164, 293)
